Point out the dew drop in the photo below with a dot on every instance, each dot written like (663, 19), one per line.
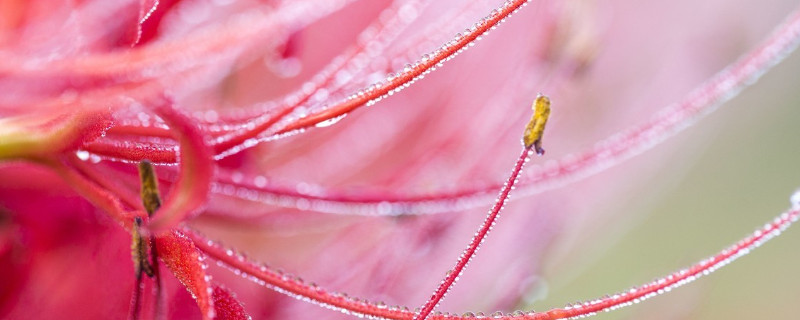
(330, 122)
(83, 155)
(795, 199)
(260, 181)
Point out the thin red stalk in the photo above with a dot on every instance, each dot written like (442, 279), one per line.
(291, 286)
(440, 29)
(385, 32)
(607, 153)
(702, 268)
(322, 199)
(382, 32)
(239, 138)
(406, 77)
(480, 235)
(146, 10)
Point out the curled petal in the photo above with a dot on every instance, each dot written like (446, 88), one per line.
(196, 170)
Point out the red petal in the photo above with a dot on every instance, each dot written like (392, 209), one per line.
(184, 260)
(226, 305)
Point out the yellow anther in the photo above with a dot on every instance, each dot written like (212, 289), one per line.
(150, 194)
(535, 129)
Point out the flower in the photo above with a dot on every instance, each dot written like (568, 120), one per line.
(378, 202)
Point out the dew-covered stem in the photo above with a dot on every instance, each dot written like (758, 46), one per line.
(291, 286)
(684, 276)
(480, 235)
(412, 72)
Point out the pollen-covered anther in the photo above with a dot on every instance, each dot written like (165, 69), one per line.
(139, 251)
(532, 138)
(151, 198)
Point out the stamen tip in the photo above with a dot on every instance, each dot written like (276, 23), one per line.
(532, 137)
(151, 199)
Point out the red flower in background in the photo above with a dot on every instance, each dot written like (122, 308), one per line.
(227, 99)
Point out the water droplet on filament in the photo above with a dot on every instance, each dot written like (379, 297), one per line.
(330, 121)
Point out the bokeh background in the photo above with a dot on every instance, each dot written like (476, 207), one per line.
(719, 180)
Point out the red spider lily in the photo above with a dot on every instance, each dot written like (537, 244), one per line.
(227, 98)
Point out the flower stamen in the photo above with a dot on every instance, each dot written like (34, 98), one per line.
(535, 129)
(151, 198)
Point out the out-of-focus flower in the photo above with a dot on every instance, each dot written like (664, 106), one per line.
(280, 128)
